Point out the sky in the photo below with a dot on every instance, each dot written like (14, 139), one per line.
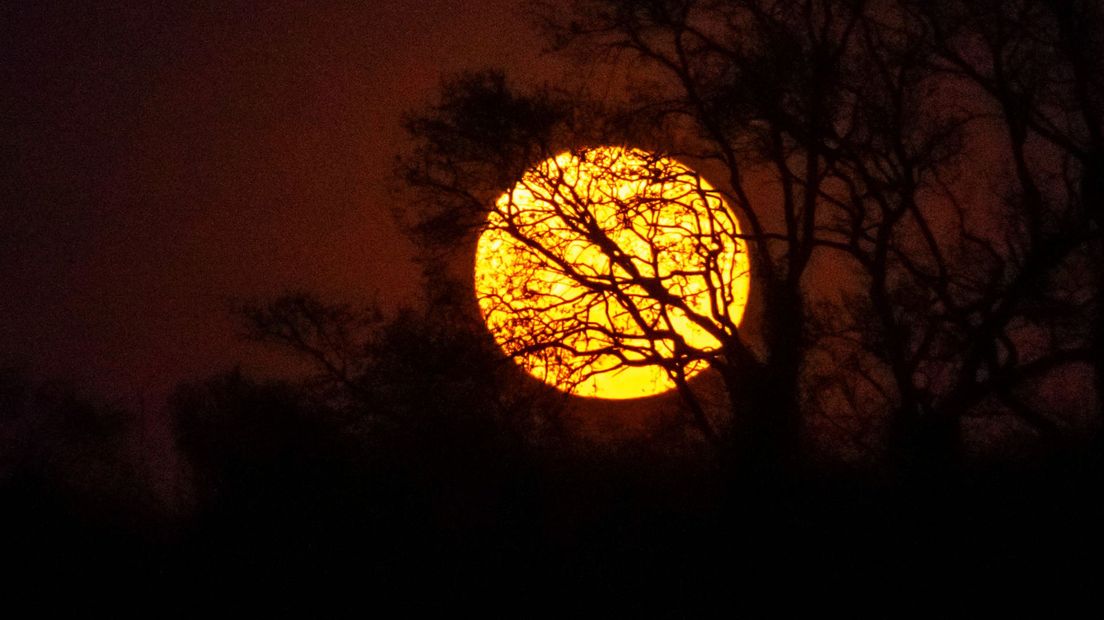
(160, 163)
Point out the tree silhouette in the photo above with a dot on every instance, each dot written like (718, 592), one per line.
(1037, 66)
(737, 104)
(413, 373)
(609, 261)
(841, 136)
(970, 303)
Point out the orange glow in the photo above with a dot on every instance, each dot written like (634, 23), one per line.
(567, 267)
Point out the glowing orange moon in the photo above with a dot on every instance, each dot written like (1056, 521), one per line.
(562, 264)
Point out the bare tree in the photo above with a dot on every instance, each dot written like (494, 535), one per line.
(842, 132)
(1038, 65)
(965, 302)
(748, 101)
(612, 260)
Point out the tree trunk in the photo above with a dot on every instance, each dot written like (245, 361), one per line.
(765, 438)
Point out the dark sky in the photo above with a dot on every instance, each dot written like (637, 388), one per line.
(158, 162)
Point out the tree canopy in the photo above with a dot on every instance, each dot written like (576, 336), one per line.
(912, 183)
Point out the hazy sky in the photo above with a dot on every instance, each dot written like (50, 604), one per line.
(158, 162)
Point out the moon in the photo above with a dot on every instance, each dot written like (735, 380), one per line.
(601, 271)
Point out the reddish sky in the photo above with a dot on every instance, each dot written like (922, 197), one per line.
(158, 162)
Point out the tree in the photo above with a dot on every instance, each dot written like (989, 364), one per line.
(73, 479)
(746, 101)
(838, 133)
(1037, 66)
(971, 302)
(411, 374)
(613, 272)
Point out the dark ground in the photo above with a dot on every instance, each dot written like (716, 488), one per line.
(467, 525)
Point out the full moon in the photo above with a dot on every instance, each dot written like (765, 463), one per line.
(601, 268)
